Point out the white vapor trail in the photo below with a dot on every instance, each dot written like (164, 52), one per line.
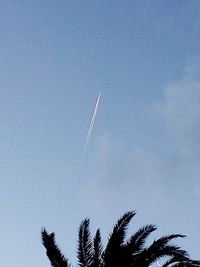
(92, 122)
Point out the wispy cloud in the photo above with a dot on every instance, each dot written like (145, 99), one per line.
(129, 177)
(130, 167)
(180, 112)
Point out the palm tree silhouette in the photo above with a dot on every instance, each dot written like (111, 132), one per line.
(118, 252)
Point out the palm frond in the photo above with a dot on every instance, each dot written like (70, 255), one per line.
(84, 245)
(118, 253)
(97, 250)
(136, 242)
(186, 263)
(151, 254)
(174, 260)
(53, 252)
(165, 240)
(180, 261)
(113, 253)
(158, 249)
(119, 230)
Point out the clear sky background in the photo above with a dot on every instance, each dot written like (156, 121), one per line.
(144, 152)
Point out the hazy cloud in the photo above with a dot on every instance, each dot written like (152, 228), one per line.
(132, 176)
(180, 111)
(122, 167)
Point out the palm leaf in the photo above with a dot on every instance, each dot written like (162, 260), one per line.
(164, 240)
(113, 252)
(120, 228)
(149, 256)
(132, 253)
(84, 245)
(53, 252)
(174, 260)
(177, 262)
(185, 264)
(137, 241)
(97, 250)
(158, 249)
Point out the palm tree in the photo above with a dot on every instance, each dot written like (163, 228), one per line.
(118, 252)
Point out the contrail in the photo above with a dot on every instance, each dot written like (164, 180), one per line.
(92, 122)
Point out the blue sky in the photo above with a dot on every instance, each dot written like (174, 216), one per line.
(144, 153)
